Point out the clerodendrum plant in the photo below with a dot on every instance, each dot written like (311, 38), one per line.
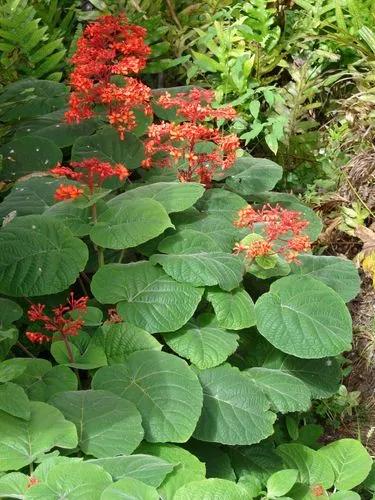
(167, 300)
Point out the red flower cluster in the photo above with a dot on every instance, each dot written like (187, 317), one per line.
(109, 47)
(91, 172)
(176, 143)
(196, 105)
(278, 224)
(57, 322)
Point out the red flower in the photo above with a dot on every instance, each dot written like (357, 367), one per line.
(277, 224)
(57, 322)
(91, 172)
(37, 338)
(110, 46)
(67, 192)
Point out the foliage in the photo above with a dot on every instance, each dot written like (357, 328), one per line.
(149, 359)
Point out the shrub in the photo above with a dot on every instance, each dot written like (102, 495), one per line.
(160, 360)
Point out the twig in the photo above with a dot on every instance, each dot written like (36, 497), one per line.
(24, 349)
(173, 14)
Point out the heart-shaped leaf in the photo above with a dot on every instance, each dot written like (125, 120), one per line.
(234, 310)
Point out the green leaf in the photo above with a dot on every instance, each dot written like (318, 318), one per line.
(187, 467)
(87, 353)
(13, 485)
(7, 342)
(64, 134)
(217, 461)
(77, 219)
(345, 495)
(303, 317)
(26, 155)
(281, 482)
(220, 231)
(193, 258)
(40, 383)
(32, 97)
(9, 312)
(255, 462)
(339, 274)
(234, 410)
(350, 462)
(285, 392)
(130, 489)
(21, 441)
(174, 196)
(322, 376)
(211, 489)
(202, 342)
(253, 175)
(119, 340)
(76, 481)
(93, 316)
(234, 310)
(146, 468)
(147, 297)
(221, 203)
(107, 425)
(10, 370)
(39, 256)
(130, 223)
(31, 196)
(13, 400)
(206, 63)
(106, 145)
(164, 389)
(312, 467)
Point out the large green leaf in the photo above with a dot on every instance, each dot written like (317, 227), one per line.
(39, 256)
(22, 441)
(257, 461)
(130, 223)
(107, 425)
(77, 219)
(119, 340)
(281, 482)
(10, 370)
(62, 134)
(41, 381)
(31, 196)
(146, 468)
(339, 274)
(350, 461)
(13, 400)
(147, 296)
(234, 410)
(254, 175)
(13, 485)
(312, 467)
(203, 342)
(187, 467)
(73, 481)
(221, 203)
(31, 97)
(234, 310)
(106, 145)
(9, 312)
(211, 489)
(304, 317)
(164, 389)
(192, 257)
(221, 231)
(285, 392)
(174, 196)
(130, 489)
(26, 155)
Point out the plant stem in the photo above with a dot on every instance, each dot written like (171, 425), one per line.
(24, 349)
(99, 250)
(68, 349)
(31, 469)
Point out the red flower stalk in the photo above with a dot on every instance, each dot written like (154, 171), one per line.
(278, 223)
(57, 322)
(91, 172)
(176, 143)
(108, 47)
